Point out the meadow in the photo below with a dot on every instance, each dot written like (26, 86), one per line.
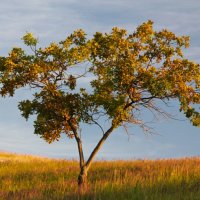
(27, 177)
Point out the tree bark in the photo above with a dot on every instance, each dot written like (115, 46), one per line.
(98, 146)
(79, 144)
(82, 178)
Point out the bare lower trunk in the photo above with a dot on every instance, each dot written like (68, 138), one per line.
(82, 180)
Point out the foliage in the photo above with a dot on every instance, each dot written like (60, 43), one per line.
(129, 72)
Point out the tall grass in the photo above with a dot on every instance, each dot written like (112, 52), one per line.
(27, 177)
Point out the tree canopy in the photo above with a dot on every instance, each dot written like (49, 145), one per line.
(129, 72)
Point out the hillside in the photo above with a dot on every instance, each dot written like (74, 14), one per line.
(27, 177)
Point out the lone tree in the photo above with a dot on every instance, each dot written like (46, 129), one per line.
(128, 73)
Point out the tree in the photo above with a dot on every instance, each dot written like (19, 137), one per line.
(129, 73)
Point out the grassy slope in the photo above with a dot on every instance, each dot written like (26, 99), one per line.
(27, 177)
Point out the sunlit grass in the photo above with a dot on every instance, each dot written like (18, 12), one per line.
(27, 177)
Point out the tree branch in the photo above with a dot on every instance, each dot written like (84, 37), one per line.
(79, 143)
(98, 146)
(95, 122)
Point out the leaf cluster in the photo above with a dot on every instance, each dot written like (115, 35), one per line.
(130, 72)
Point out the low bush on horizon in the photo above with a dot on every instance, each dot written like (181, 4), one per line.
(35, 178)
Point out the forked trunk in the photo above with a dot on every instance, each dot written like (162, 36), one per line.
(84, 167)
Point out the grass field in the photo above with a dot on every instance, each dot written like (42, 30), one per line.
(27, 177)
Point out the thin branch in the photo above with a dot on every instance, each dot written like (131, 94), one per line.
(95, 122)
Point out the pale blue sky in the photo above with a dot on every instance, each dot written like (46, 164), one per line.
(52, 20)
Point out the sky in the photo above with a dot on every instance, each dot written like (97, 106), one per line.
(52, 20)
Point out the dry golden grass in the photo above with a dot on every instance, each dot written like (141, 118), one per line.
(28, 177)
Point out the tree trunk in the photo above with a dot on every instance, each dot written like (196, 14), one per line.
(82, 179)
(84, 167)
